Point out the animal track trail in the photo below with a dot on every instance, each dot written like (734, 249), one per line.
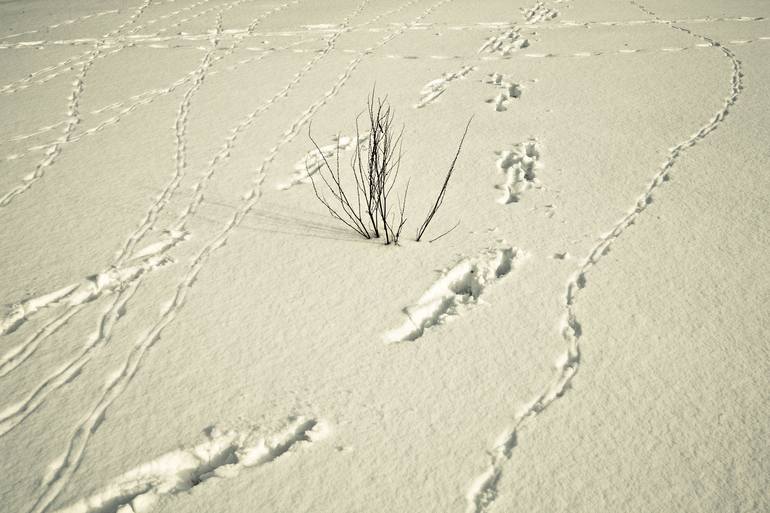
(484, 489)
(52, 151)
(146, 223)
(508, 91)
(23, 311)
(520, 167)
(230, 141)
(149, 96)
(224, 153)
(307, 115)
(141, 100)
(51, 72)
(384, 14)
(109, 37)
(70, 63)
(459, 287)
(180, 158)
(435, 88)
(78, 442)
(627, 23)
(90, 288)
(72, 21)
(120, 380)
(511, 40)
(315, 160)
(38, 45)
(33, 134)
(250, 30)
(251, 195)
(506, 43)
(578, 54)
(17, 413)
(114, 38)
(73, 114)
(13, 415)
(71, 299)
(65, 66)
(189, 18)
(224, 454)
(566, 24)
(252, 27)
(61, 24)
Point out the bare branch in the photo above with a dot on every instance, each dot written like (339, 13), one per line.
(371, 214)
(446, 232)
(442, 192)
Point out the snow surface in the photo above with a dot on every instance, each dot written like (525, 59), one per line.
(185, 328)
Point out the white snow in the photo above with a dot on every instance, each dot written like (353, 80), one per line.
(582, 328)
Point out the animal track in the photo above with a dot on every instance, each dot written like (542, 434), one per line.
(145, 98)
(484, 489)
(61, 23)
(519, 166)
(78, 441)
(175, 235)
(22, 311)
(435, 88)
(101, 48)
(110, 39)
(506, 43)
(508, 90)
(39, 131)
(540, 12)
(314, 160)
(249, 33)
(49, 72)
(224, 454)
(73, 297)
(578, 54)
(13, 415)
(19, 314)
(72, 119)
(458, 287)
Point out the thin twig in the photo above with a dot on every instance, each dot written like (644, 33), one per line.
(446, 232)
(442, 192)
